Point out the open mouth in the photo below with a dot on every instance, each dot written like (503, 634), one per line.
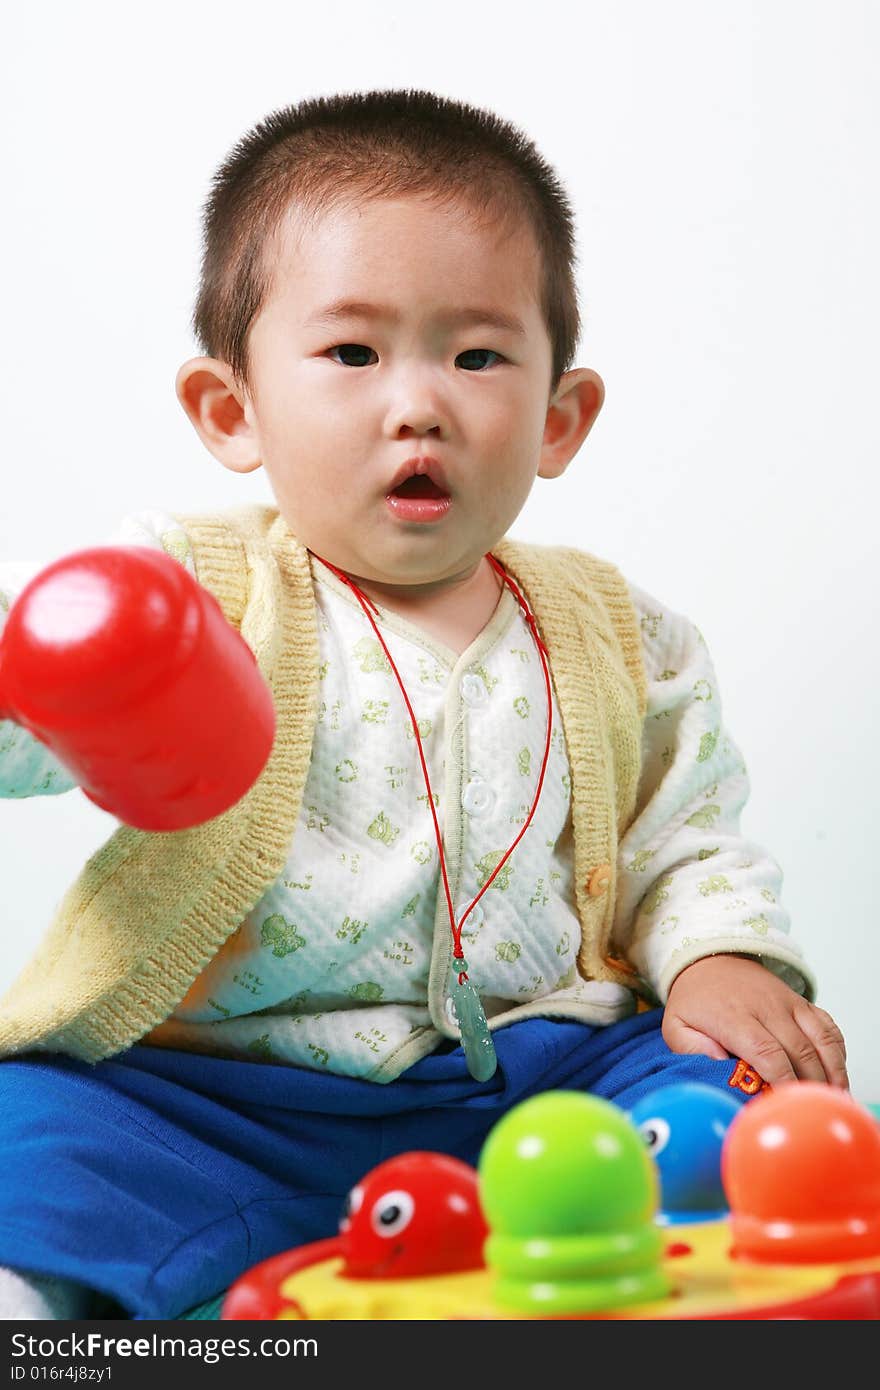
(419, 486)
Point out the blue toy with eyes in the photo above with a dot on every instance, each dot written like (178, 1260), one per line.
(684, 1127)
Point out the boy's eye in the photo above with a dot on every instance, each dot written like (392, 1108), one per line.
(478, 353)
(358, 355)
(357, 351)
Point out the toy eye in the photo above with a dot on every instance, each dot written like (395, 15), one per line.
(655, 1134)
(353, 1203)
(392, 1212)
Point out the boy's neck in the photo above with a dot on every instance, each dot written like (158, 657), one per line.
(453, 611)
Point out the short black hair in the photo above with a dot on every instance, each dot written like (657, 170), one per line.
(328, 150)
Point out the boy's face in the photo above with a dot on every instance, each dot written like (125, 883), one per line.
(340, 402)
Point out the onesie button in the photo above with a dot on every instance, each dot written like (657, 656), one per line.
(478, 797)
(473, 690)
(599, 879)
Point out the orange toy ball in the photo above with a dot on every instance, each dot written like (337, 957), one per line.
(801, 1170)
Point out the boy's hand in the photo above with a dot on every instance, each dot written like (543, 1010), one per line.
(732, 1006)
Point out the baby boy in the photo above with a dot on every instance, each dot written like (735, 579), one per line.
(502, 801)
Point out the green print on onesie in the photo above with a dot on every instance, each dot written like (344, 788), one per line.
(334, 713)
(382, 830)
(248, 980)
(402, 951)
(641, 860)
(346, 771)
(758, 924)
(705, 818)
(707, 747)
(306, 884)
(430, 675)
(522, 707)
(352, 930)
(486, 866)
(370, 657)
(508, 951)
(367, 991)
(539, 898)
(374, 712)
(524, 762)
(489, 682)
(568, 979)
(716, 884)
(281, 935)
(658, 894)
(261, 1047)
(371, 1038)
(424, 727)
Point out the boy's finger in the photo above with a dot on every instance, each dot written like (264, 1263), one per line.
(799, 1048)
(827, 1039)
(762, 1050)
(680, 1038)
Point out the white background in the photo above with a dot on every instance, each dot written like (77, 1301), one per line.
(722, 160)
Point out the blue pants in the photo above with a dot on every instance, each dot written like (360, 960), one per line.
(158, 1177)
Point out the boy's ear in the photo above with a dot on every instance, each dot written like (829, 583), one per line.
(571, 413)
(212, 399)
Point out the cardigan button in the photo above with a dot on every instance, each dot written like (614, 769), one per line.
(599, 879)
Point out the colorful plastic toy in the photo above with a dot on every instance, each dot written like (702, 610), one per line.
(802, 1172)
(567, 1183)
(570, 1193)
(683, 1127)
(415, 1215)
(127, 669)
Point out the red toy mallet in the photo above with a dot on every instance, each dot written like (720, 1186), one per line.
(126, 668)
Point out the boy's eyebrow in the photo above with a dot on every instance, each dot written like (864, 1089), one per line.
(358, 308)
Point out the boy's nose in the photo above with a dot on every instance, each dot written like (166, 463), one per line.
(416, 406)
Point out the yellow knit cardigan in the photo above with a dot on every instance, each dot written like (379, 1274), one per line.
(149, 910)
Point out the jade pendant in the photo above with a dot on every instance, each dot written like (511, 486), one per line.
(476, 1039)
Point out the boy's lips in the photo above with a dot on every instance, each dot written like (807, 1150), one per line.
(422, 466)
(419, 491)
(415, 508)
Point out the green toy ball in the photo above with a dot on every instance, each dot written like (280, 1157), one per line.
(571, 1196)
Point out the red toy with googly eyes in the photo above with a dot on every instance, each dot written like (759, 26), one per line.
(417, 1214)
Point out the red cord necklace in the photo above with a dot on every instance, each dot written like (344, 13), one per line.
(476, 1038)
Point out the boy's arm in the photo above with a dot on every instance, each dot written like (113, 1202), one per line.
(27, 767)
(698, 910)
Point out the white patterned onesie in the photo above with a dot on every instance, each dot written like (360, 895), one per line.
(339, 964)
